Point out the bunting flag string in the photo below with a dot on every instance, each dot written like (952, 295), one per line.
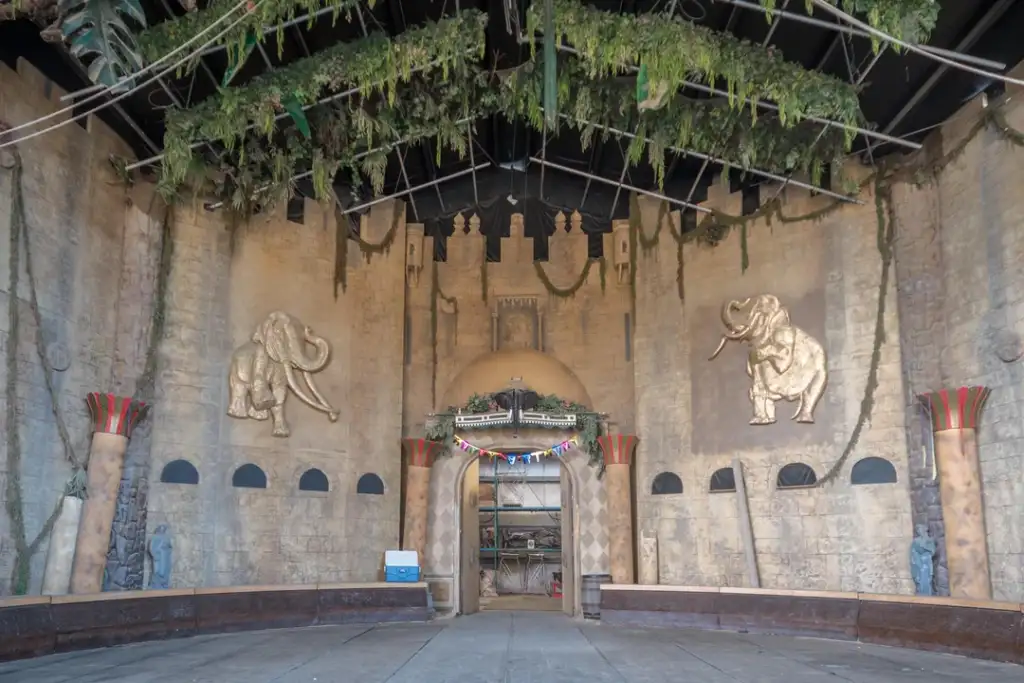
(513, 458)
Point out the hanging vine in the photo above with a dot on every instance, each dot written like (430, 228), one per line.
(571, 290)
(25, 550)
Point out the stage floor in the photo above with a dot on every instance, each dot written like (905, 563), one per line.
(503, 647)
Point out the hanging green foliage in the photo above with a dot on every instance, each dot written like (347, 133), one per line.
(163, 38)
(373, 66)
(675, 51)
(909, 20)
(96, 29)
(705, 126)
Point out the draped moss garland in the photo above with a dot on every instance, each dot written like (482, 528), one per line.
(673, 51)
(447, 89)
(372, 65)
(161, 39)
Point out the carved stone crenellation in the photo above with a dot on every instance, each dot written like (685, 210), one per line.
(784, 362)
(273, 361)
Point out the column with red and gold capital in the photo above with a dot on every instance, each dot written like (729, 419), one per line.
(618, 485)
(955, 414)
(419, 457)
(113, 418)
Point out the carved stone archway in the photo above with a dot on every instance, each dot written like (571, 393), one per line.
(487, 374)
(466, 541)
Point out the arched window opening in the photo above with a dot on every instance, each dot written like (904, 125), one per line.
(249, 476)
(179, 472)
(873, 470)
(666, 484)
(314, 480)
(796, 475)
(370, 484)
(723, 480)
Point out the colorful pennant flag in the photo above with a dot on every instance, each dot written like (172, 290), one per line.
(557, 450)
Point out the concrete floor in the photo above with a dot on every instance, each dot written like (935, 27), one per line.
(503, 647)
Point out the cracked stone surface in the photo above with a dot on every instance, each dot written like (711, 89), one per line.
(503, 647)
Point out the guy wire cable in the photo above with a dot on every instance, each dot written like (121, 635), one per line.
(108, 89)
(128, 92)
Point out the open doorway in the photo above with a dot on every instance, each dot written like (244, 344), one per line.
(517, 535)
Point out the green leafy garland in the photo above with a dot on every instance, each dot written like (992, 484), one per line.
(909, 20)
(373, 65)
(593, 104)
(673, 52)
(165, 37)
(437, 102)
(442, 426)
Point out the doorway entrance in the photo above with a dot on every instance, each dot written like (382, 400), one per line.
(517, 534)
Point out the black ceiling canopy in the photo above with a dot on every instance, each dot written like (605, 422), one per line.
(901, 95)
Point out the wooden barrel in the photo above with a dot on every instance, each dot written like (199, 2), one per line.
(590, 594)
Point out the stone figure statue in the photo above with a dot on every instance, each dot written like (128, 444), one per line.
(922, 560)
(784, 361)
(160, 558)
(264, 368)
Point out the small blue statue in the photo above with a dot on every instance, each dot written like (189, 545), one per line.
(160, 558)
(922, 560)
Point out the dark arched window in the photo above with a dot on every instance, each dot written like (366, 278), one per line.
(370, 484)
(179, 472)
(873, 471)
(666, 483)
(313, 480)
(723, 480)
(795, 475)
(249, 476)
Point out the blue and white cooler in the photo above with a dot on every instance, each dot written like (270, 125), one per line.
(401, 566)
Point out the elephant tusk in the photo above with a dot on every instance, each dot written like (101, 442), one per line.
(721, 345)
(326, 407)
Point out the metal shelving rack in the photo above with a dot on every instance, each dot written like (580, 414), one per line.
(495, 478)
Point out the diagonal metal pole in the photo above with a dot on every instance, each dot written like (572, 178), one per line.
(980, 27)
(424, 186)
(713, 159)
(956, 54)
(357, 157)
(631, 188)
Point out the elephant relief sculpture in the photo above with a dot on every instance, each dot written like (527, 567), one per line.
(784, 361)
(272, 362)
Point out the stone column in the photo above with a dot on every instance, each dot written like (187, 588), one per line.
(955, 414)
(61, 553)
(618, 457)
(113, 420)
(419, 455)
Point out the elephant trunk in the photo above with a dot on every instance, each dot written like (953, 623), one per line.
(734, 330)
(297, 350)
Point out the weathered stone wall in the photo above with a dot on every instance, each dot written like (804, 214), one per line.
(641, 356)
(217, 295)
(75, 208)
(962, 297)
(693, 414)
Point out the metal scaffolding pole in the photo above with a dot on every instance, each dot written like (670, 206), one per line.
(424, 186)
(991, 16)
(631, 188)
(710, 158)
(322, 100)
(850, 30)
